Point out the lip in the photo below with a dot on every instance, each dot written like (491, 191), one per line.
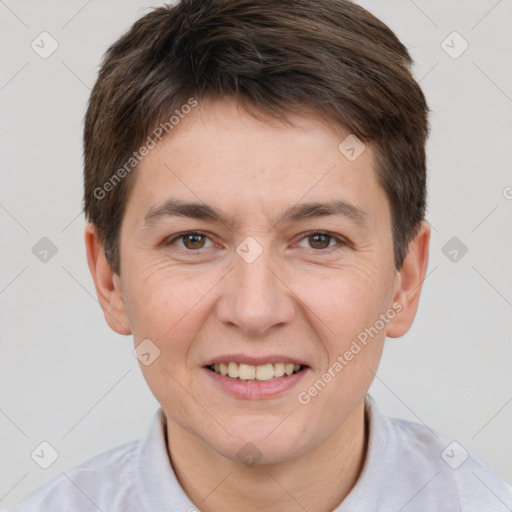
(256, 390)
(255, 361)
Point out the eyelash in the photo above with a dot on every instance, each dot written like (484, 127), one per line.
(341, 242)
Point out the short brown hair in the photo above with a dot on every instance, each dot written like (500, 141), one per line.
(326, 56)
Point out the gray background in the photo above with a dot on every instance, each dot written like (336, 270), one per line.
(68, 380)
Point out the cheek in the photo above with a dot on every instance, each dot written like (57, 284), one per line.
(348, 306)
(348, 298)
(164, 301)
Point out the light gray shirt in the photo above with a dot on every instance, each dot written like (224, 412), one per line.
(408, 468)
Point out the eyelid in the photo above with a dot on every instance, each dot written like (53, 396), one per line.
(341, 241)
(172, 239)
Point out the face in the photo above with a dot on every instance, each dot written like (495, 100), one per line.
(259, 277)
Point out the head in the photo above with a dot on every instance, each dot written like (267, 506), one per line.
(255, 190)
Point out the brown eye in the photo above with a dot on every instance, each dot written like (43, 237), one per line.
(319, 241)
(323, 242)
(190, 241)
(193, 240)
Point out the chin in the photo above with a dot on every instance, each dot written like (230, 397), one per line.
(257, 445)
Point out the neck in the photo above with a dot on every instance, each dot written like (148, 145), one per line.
(319, 479)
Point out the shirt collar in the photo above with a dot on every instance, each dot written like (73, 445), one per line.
(158, 486)
(365, 494)
(159, 489)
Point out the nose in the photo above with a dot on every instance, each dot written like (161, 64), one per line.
(255, 296)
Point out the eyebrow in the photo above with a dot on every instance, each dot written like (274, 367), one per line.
(295, 213)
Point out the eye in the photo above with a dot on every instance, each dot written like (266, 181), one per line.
(191, 240)
(319, 240)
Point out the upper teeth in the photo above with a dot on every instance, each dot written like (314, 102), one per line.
(248, 371)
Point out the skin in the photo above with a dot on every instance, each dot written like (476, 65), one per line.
(296, 298)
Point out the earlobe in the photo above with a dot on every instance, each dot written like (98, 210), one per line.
(107, 284)
(409, 282)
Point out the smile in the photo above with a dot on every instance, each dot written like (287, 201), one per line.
(264, 372)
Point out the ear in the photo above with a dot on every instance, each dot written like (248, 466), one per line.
(107, 284)
(409, 283)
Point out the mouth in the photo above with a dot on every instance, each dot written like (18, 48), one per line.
(246, 381)
(255, 373)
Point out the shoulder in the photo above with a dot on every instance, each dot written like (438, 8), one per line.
(443, 471)
(105, 479)
(410, 467)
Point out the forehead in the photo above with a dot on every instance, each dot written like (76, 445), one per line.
(221, 155)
